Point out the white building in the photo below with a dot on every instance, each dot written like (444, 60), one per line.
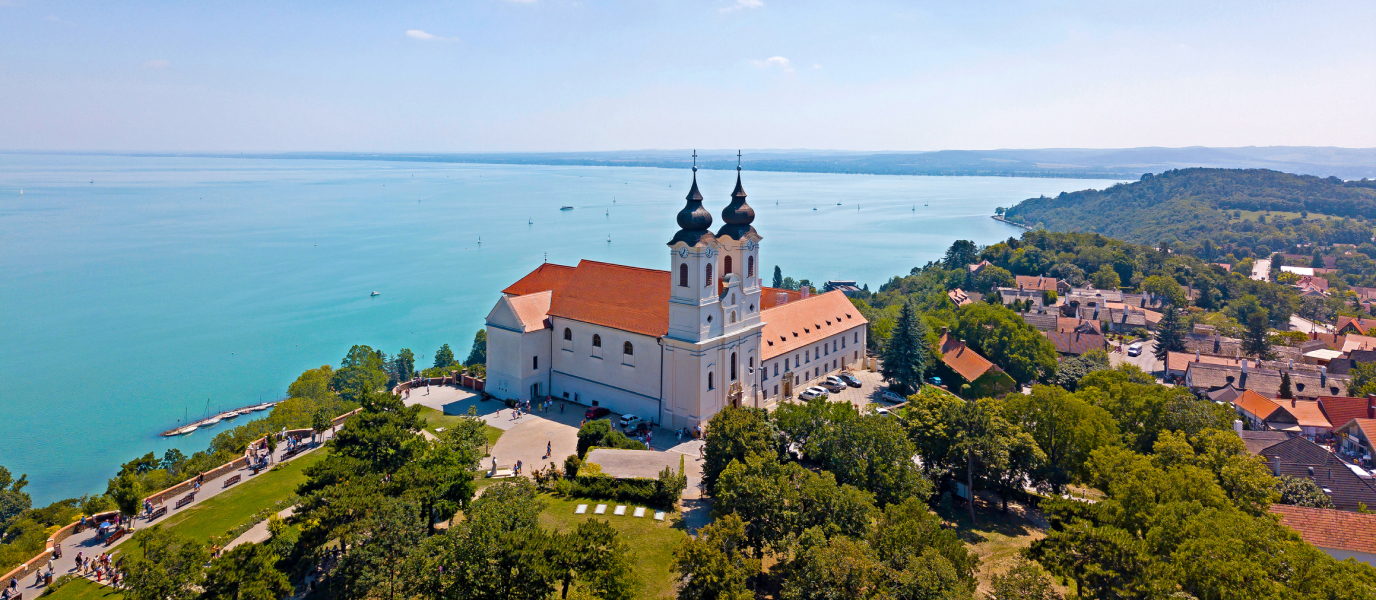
(672, 346)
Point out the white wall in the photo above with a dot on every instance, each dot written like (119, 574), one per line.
(1365, 557)
(609, 380)
(509, 365)
(807, 367)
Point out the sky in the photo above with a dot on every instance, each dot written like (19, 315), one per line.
(565, 75)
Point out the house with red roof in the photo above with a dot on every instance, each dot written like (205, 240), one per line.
(675, 346)
(963, 365)
(1339, 533)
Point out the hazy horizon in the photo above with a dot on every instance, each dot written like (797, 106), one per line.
(583, 75)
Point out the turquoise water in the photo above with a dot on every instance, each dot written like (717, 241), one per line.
(133, 290)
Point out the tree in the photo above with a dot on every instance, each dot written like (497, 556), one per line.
(1025, 581)
(377, 568)
(1255, 320)
(960, 254)
(478, 354)
(1170, 334)
(1106, 278)
(713, 565)
(906, 357)
(13, 500)
(127, 492)
(1072, 370)
(908, 536)
(599, 433)
(1301, 491)
(1363, 380)
(406, 364)
(596, 557)
(778, 277)
(871, 452)
(1066, 427)
(381, 435)
(247, 572)
(314, 384)
(838, 567)
(1165, 288)
(990, 277)
(444, 356)
(320, 422)
(170, 567)
(736, 434)
(1285, 388)
(361, 372)
(1007, 340)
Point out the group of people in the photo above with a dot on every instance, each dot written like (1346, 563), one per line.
(100, 567)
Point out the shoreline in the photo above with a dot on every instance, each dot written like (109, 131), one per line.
(1003, 220)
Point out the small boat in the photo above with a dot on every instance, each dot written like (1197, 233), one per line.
(184, 430)
(565, 208)
(233, 414)
(838, 204)
(530, 221)
(211, 421)
(375, 293)
(262, 406)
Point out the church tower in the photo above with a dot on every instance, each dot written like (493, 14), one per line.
(740, 257)
(694, 273)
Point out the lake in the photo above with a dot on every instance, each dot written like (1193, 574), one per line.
(136, 290)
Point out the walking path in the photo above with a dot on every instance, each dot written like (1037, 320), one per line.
(259, 532)
(88, 544)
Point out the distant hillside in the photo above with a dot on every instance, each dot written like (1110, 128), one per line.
(1189, 206)
(1129, 163)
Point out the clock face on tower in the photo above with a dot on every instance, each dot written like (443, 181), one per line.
(683, 252)
(750, 245)
(711, 252)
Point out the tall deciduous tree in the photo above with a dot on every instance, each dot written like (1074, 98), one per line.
(1067, 428)
(360, 373)
(170, 568)
(906, 357)
(713, 565)
(13, 500)
(478, 354)
(960, 254)
(736, 434)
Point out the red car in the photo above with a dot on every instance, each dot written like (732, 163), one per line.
(596, 412)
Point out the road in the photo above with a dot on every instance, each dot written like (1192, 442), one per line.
(1261, 269)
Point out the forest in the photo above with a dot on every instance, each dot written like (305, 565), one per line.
(1202, 211)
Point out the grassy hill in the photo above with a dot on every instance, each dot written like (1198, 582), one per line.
(1186, 207)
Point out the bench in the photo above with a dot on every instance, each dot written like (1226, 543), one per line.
(185, 500)
(119, 533)
(158, 512)
(231, 481)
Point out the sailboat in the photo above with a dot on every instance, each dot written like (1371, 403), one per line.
(375, 293)
(530, 221)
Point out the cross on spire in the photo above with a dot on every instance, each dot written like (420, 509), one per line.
(738, 160)
(695, 160)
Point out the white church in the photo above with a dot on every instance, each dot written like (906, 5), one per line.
(673, 347)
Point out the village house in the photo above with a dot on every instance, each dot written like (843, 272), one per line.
(960, 298)
(1339, 533)
(1356, 325)
(984, 377)
(1043, 283)
(1306, 381)
(1077, 340)
(1347, 485)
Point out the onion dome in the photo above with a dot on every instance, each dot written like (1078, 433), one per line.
(694, 221)
(738, 215)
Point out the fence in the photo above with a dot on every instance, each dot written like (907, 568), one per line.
(453, 378)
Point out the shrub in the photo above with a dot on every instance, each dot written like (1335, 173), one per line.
(571, 465)
(600, 434)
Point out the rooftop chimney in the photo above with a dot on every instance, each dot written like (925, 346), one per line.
(1276, 464)
(807, 291)
(781, 298)
(1237, 425)
(1244, 366)
(1323, 376)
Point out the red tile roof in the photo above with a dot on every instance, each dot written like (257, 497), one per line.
(1306, 412)
(803, 322)
(961, 359)
(1256, 404)
(1362, 326)
(1341, 409)
(1075, 342)
(1036, 282)
(531, 309)
(769, 297)
(617, 296)
(547, 276)
(1330, 528)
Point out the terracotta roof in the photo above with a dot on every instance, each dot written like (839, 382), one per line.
(1360, 325)
(1316, 282)
(1306, 412)
(1355, 341)
(1341, 409)
(979, 266)
(616, 296)
(1367, 427)
(1072, 323)
(1330, 528)
(961, 359)
(1041, 321)
(1256, 441)
(1302, 458)
(1178, 361)
(1075, 342)
(1036, 282)
(959, 297)
(530, 309)
(1255, 404)
(769, 297)
(547, 276)
(803, 322)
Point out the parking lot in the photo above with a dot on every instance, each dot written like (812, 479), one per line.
(871, 389)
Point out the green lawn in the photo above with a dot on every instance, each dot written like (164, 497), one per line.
(652, 542)
(435, 419)
(238, 505)
(84, 589)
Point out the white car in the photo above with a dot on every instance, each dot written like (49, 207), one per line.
(811, 393)
(892, 396)
(1135, 349)
(883, 412)
(628, 422)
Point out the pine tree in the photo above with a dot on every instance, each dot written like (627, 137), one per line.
(778, 277)
(1170, 335)
(906, 358)
(1285, 390)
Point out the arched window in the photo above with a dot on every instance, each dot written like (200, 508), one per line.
(683, 275)
(709, 276)
(596, 341)
(627, 349)
(709, 382)
(568, 334)
(733, 316)
(733, 366)
(726, 266)
(749, 266)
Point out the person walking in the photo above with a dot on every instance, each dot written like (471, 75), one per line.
(549, 448)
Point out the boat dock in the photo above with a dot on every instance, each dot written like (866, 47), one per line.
(214, 420)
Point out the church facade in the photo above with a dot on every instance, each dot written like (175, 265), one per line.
(672, 347)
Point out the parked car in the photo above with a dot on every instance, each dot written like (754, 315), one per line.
(834, 383)
(936, 381)
(596, 412)
(811, 393)
(883, 412)
(629, 422)
(1135, 349)
(850, 380)
(892, 396)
